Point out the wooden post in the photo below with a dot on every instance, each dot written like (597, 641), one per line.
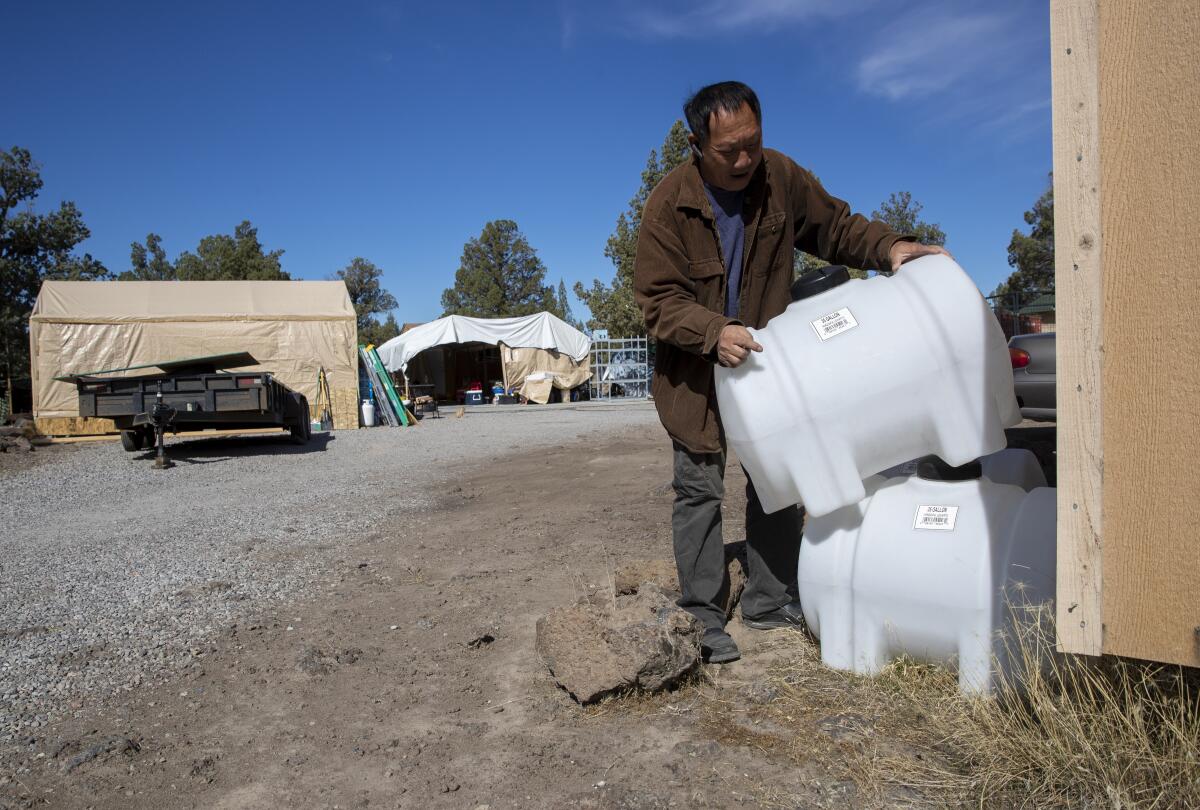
(1074, 64)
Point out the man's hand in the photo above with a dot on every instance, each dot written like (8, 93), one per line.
(735, 345)
(902, 252)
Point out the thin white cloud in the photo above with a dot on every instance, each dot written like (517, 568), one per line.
(963, 65)
(566, 27)
(917, 61)
(967, 63)
(699, 19)
(1019, 112)
(390, 12)
(1020, 121)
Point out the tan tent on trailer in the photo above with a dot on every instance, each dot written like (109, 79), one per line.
(292, 328)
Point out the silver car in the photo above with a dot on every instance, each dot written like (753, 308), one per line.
(1032, 359)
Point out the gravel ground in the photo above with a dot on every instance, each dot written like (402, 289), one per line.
(114, 574)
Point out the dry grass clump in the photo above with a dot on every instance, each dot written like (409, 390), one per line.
(1070, 732)
(1076, 731)
(849, 726)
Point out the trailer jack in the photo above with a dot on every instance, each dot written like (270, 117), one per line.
(161, 417)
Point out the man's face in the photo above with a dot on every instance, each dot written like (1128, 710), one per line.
(734, 149)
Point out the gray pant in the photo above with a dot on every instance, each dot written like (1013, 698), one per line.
(772, 542)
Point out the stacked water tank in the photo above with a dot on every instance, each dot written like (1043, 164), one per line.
(856, 377)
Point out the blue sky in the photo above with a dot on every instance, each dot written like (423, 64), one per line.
(395, 130)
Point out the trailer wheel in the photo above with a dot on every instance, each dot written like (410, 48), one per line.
(131, 440)
(302, 432)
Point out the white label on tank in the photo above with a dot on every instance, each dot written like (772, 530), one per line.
(834, 324)
(936, 518)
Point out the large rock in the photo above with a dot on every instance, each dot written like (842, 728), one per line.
(600, 646)
(628, 577)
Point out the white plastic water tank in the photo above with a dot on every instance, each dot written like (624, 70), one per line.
(1012, 465)
(941, 570)
(859, 375)
(368, 413)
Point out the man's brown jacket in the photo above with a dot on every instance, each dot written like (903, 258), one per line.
(679, 276)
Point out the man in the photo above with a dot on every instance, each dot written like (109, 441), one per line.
(715, 256)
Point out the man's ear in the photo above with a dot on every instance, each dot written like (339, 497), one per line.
(695, 144)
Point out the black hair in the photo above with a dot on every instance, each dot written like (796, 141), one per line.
(723, 96)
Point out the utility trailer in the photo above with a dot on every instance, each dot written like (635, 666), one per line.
(190, 394)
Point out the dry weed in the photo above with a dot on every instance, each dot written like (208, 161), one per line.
(1069, 732)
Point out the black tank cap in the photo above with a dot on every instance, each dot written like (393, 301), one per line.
(933, 468)
(819, 280)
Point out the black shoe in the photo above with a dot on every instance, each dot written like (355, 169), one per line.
(789, 615)
(717, 647)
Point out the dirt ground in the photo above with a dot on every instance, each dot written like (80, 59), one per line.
(408, 678)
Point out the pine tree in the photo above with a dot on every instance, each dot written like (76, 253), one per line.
(499, 276)
(223, 257)
(379, 333)
(149, 262)
(902, 214)
(33, 247)
(612, 305)
(366, 294)
(563, 306)
(1032, 254)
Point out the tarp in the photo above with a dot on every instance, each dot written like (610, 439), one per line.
(534, 372)
(126, 301)
(539, 331)
(291, 327)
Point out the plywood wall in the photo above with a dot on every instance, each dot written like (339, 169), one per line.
(1127, 196)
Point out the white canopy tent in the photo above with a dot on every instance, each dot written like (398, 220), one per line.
(562, 360)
